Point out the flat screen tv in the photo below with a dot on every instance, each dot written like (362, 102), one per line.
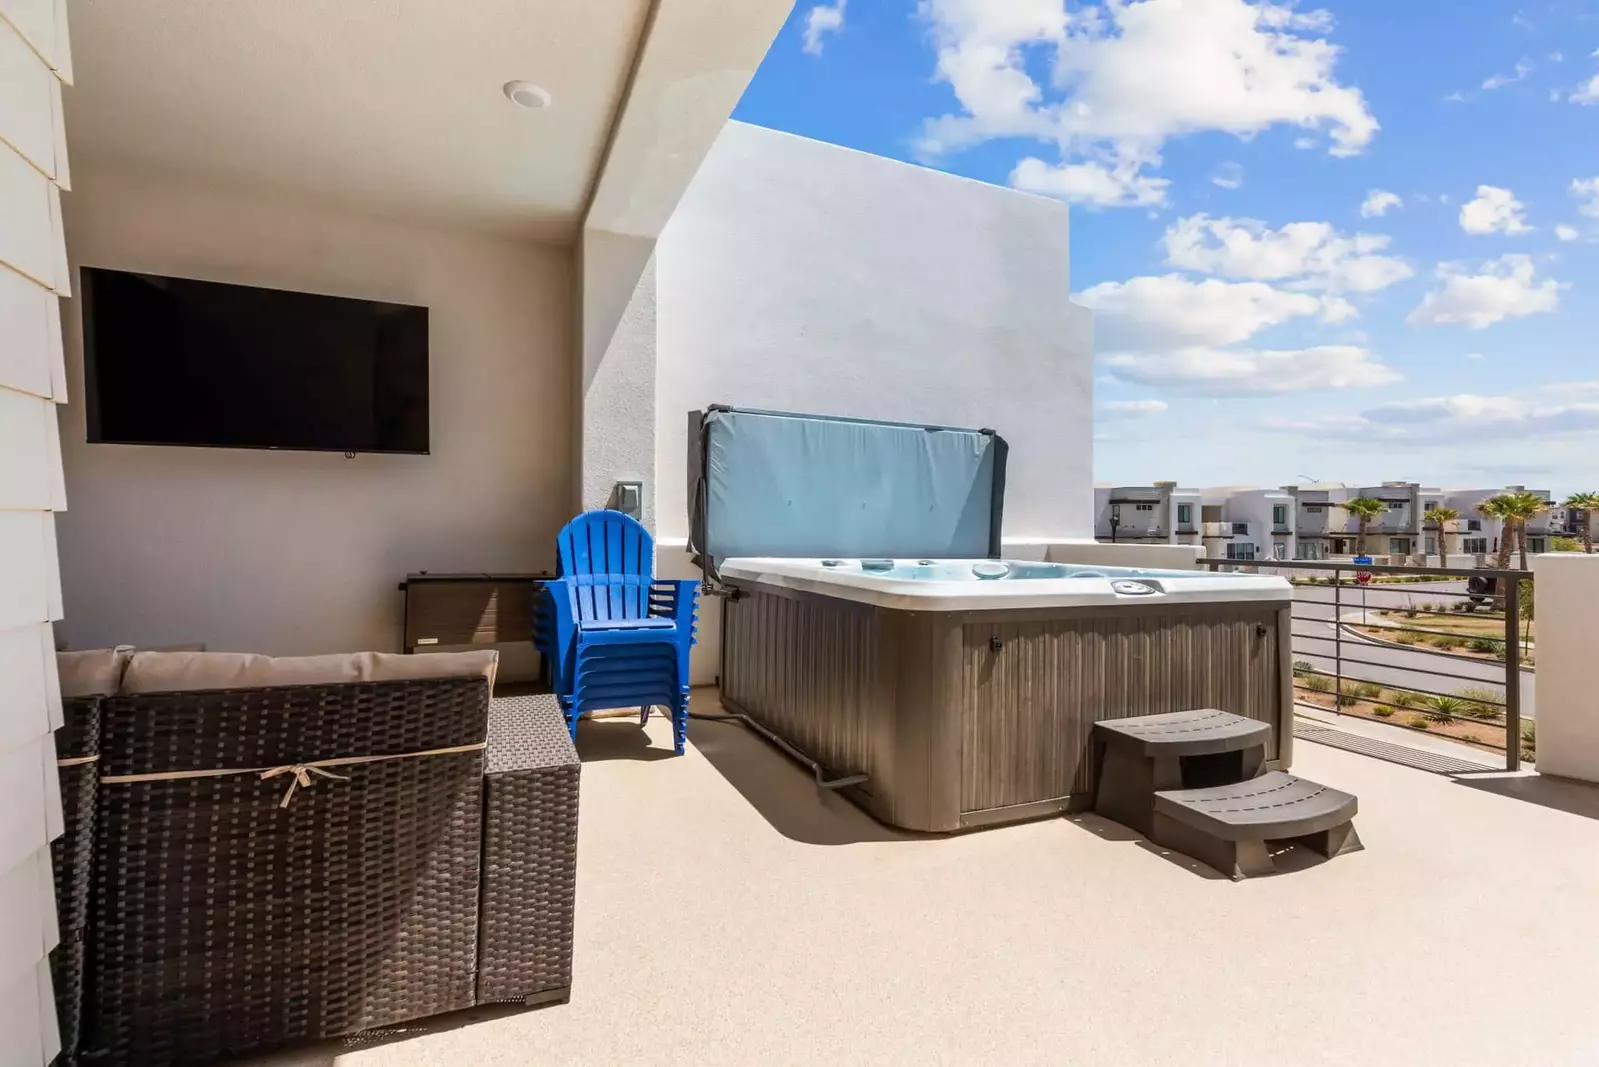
(172, 361)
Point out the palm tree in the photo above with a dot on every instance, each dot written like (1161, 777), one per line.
(1441, 518)
(1364, 509)
(1586, 503)
(1520, 508)
(1494, 508)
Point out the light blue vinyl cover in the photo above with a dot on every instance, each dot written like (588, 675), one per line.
(776, 484)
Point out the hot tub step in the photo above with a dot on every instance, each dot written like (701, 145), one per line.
(1228, 826)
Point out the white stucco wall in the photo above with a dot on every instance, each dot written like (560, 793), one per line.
(1565, 592)
(299, 552)
(800, 276)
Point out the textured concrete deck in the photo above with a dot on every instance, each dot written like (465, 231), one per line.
(729, 914)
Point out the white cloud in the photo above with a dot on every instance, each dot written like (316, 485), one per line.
(1225, 65)
(1499, 81)
(1306, 255)
(1474, 356)
(1228, 176)
(1172, 311)
(1335, 309)
(1134, 408)
(1090, 183)
(1567, 233)
(822, 20)
(1456, 97)
(1557, 57)
(1586, 93)
(1503, 288)
(1304, 144)
(1495, 210)
(1246, 372)
(1587, 191)
(1447, 419)
(1377, 203)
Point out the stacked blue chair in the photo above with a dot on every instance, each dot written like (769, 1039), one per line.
(613, 636)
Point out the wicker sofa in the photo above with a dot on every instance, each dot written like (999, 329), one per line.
(290, 849)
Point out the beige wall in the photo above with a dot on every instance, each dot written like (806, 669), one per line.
(33, 276)
(1565, 591)
(295, 552)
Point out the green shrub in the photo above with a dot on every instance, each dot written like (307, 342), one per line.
(1567, 544)
(1383, 712)
(1462, 606)
(1419, 722)
(1529, 740)
(1524, 594)
(1445, 709)
(1320, 683)
(1347, 699)
(1303, 667)
(1445, 642)
(1410, 613)
(1487, 645)
(1368, 690)
(1407, 638)
(1481, 701)
(1402, 699)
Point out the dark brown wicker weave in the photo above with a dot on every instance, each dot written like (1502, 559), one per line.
(529, 854)
(224, 923)
(72, 856)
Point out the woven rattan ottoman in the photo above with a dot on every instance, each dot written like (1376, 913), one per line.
(231, 917)
(529, 854)
(72, 856)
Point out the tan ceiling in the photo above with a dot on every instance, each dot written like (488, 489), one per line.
(388, 106)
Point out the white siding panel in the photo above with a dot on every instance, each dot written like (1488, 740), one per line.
(52, 680)
(38, 22)
(29, 443)
(30, 349)
(25, 817)
(23, 1015)
(54, 607)
(50, 775)
(27, 108)
(49, 1025)
(58, 129)
(26, 226)
(27, 927)
(55, 352)
(24, 574)
(24, 686)
(61, 58)
(60, 269)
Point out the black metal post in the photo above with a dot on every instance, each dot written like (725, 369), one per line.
(1513, 674)
(1338, 638)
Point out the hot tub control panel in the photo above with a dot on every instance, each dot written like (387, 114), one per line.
(1134, 587)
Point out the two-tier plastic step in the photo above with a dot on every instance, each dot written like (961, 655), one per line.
(1191, 781)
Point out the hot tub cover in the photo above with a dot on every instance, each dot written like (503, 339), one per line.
(767, 483)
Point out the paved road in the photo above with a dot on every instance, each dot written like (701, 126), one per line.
(1314, 608)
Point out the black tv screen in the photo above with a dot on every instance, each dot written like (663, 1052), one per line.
(172, 361)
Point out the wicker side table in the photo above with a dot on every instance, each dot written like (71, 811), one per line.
(529, 862)
(72, 857)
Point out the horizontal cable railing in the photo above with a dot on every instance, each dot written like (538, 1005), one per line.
(1439, 650)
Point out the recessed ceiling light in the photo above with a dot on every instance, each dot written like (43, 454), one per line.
(527, 94)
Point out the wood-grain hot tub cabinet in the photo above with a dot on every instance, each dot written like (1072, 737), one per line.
(871, 626)
(965, 718)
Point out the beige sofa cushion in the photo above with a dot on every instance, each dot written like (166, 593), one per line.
(95, 672)
(175, 672)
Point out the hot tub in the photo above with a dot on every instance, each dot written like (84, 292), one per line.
(871, 625)
(966, 690)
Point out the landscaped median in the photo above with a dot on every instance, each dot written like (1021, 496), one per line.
(1473, 715)
(1426, 627)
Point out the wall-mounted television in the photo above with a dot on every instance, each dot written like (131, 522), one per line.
(174, 361)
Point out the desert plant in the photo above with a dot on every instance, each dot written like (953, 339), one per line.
(1441, 520)
(1486, 645)
(1410, 613)
(1303, 667)
(1445, 642)
(1383, 712)
(1497, 507)
(1441, 709)
(1519, 508)
(1368, 690)
(1481, 701)
(1347, 699)
(1402, 698)
(1461, 606)
(1567, 544)
(1364, 509)
(1420, 722)
(1406, 638)
(1529, 740)
(1586, 503)
(1319, 683)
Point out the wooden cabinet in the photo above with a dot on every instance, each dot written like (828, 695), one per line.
(468, 609)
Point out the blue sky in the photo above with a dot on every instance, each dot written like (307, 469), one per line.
(1253, 323)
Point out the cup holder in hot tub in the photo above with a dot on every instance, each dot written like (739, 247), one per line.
(990, 569)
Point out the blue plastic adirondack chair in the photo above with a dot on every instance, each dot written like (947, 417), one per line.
(613, 636)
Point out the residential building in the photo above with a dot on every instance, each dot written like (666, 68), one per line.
(1161, 513)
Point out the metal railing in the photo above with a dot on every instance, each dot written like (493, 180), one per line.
(1440, 649)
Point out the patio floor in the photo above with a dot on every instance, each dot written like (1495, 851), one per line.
(729, 913)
